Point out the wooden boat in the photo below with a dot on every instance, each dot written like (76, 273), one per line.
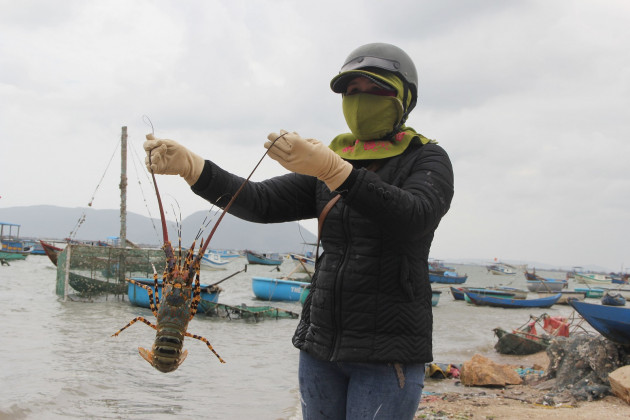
(591, 292)
(584, 278)
(567, 295)
(519, 343)
(457, 293)
(506, 302)
(245, 312)
(546, 285)
(435, 297)
(10, 243)
(496, 292)
(89, 287)
(526, 339)
(51, 251)
(500, 269)
(612, 322)
(139, 296)
(446, 277)
(11, 256)
(264, 259)
(272, 289)
(613, 299)
(306, 264)
(213, 260)
(516, 293)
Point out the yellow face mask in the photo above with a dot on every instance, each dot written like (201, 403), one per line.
(370, 117)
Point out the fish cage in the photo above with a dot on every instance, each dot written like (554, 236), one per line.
(89, 271)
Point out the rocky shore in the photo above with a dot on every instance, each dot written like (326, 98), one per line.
(568, 381)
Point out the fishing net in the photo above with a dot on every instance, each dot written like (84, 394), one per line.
(88, 271)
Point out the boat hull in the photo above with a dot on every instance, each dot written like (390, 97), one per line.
(271, 289)
(518, 343)
(610, 321)
(502, 302)
(546, 285)
(447, 279)
(262, 260)
(139, 296)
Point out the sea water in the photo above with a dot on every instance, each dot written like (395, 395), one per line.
(59, 360)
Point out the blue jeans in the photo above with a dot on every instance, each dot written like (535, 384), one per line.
(342, 390)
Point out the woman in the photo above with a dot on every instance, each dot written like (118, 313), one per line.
(365, 332)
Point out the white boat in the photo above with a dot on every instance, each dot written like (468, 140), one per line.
(501, 269)
(213, 260)
(592, 278)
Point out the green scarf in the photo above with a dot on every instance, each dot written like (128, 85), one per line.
(349, 147)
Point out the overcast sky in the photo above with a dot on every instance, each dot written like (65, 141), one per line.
(531, 99)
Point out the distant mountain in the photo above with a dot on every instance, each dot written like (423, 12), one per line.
(52, 222)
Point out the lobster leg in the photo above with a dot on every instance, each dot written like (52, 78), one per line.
(152, 296)
(205, 340)
(133, 321)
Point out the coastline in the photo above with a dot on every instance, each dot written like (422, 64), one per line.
(445, 399)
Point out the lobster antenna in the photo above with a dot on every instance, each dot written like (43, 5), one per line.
(229, 204)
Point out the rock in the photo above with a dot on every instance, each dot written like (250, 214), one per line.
(480, 371)
(620, 383)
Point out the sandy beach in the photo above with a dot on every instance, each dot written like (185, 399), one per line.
(512, 402)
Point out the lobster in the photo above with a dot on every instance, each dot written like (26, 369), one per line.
(180, 298)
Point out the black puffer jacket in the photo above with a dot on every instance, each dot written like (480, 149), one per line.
(370, 299)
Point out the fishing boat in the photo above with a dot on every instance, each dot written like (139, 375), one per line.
(10, 242)
(501, 269)
(435, 297)
(567, 295)
(459, 292)
(546, 285)
(225, 253)
(139, 296)
(263, 259)
(526, 339)
(306, 263)
(245, 312)
(506, 302)
(613, 299)
(590, 292)
(11, 256)
(213, 260)
(272, 289)
(612, 322)
(592, 278)
(51, 251)
(516, 293)
(446, 277)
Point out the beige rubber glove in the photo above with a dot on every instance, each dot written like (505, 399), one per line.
(308, 157)
(171, 158)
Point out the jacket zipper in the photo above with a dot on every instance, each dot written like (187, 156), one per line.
(336, 305)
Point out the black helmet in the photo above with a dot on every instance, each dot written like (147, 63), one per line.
(381, 56)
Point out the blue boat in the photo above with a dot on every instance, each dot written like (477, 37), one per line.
(435, 297)
(612, 322)
(506, 302)
(267, 288)
(611, 298)
(459, 293)
(264, 259)
(139, 296)
(446, 277)
(590, 292)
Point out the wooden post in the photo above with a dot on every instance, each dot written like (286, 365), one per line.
(123, 188)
